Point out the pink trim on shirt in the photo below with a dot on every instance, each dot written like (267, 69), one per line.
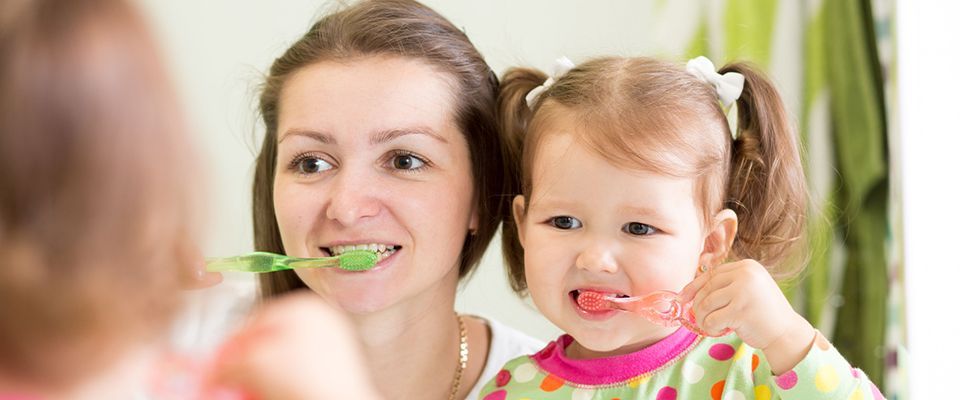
(603, 371)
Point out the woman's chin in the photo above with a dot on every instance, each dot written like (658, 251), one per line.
(361, 300)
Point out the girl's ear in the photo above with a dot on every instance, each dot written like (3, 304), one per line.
(519, 213)
(719, 240)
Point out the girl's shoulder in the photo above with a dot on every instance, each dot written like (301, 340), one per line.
(727, 365)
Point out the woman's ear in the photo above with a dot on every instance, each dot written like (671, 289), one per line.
(719, 240)
(519, 213)
(474, 222)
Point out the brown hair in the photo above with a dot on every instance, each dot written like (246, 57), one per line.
(92, 215)
(652, 115)
(402, 28)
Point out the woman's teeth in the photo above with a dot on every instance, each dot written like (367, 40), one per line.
(382, 250)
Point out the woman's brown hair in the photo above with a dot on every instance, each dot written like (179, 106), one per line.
(646, 114)
(93, 213)
(401, 28)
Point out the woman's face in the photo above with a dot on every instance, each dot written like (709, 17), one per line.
(369, 154)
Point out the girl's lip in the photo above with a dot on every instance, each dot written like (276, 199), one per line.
(601, 290)
(590, 315)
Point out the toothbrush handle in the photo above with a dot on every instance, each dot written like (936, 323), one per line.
(689, 321)
(651, 307)
(227, 264)
(314, 263)
(254, 262)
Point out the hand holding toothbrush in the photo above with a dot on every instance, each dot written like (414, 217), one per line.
(743, 297)
(195, 275)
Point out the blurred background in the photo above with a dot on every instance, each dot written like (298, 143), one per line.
(866, 137)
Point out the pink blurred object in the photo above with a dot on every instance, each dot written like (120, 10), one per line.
(184, 377)
(661, 307)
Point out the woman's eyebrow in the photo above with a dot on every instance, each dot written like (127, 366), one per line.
(391, 134)
(321, 137)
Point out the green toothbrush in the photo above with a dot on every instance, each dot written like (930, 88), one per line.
(260, 261)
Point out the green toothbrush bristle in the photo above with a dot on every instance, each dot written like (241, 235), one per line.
(358, 260)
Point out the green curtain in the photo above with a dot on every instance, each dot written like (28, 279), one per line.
(854, 86)
(845, 286)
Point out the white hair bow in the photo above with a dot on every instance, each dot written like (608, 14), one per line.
(560, 67)
(729, 85)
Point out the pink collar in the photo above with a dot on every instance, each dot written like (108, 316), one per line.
(609, 370)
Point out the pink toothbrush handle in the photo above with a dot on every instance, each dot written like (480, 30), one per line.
(663, 307)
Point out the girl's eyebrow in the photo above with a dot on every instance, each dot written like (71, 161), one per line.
(638, 210)
(553, 204)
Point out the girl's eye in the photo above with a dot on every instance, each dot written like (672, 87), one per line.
(565, 222)
(407, 162)
(311, 165)
(638, 229)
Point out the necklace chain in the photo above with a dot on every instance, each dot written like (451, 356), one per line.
(462, 362)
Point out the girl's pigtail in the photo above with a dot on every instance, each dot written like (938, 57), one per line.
(514, 116)
(767, 188)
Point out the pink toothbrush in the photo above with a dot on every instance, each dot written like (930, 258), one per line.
(661, 307)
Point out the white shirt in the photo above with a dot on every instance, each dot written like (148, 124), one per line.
(506, 344)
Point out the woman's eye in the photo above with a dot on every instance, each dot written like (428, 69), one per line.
(565, 222)
(407, 162)
(638, 229)
(312, 165)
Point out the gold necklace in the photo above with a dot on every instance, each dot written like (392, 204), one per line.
(464, 356)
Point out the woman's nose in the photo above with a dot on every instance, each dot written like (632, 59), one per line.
(597, 258)
(352, 197)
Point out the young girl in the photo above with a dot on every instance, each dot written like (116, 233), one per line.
(632, 181)
(94, 229)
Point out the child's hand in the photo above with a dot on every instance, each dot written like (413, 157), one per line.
(195, 275)
(743, 297)
(297, 347)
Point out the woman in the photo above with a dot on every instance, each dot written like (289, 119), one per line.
(381, 132)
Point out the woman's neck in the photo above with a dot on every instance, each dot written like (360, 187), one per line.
(412, 347)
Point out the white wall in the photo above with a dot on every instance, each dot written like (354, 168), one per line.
(929, 83)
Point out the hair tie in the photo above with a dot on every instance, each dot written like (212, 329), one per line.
(729, 86)
(560, 67)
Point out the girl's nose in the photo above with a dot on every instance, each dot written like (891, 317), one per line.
(597, 258)
(352, 197)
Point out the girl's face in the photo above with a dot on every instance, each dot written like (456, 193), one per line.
(591, 225)
(369, 155)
